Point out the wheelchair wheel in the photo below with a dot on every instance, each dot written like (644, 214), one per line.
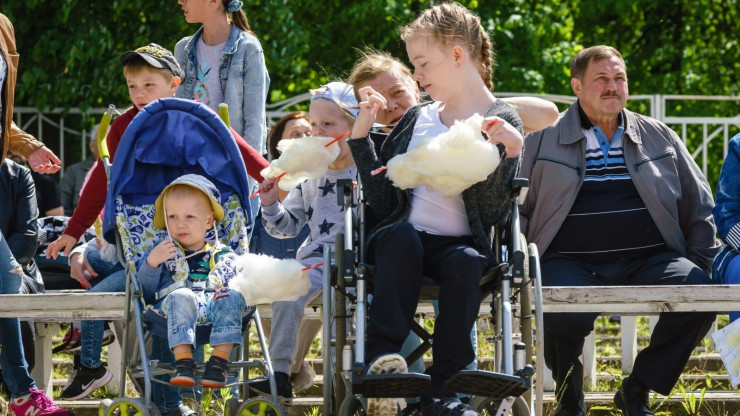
(261, 406)
(488, 406)
(127, 407)
(351, 406)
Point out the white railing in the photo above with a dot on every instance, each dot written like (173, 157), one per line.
(62, 132)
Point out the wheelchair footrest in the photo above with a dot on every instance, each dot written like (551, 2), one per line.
(392, 385)
(488, 384)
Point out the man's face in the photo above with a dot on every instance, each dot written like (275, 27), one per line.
(603, 89)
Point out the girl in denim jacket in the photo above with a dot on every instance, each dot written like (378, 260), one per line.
(224, 63)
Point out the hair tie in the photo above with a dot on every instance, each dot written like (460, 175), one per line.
(234, 6)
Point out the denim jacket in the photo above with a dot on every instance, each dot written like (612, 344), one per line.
(727, 209)
(244, 81)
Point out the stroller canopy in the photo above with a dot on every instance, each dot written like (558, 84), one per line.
(169, 138)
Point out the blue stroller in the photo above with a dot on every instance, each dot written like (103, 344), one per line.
(168, 138)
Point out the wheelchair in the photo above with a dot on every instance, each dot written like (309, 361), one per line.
(507, 288)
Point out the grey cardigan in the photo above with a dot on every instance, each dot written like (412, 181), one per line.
(487, 203)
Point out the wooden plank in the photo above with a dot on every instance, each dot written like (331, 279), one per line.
(641, 300)
(61, 307)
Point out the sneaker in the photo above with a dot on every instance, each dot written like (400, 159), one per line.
(284, 389)
(72, 373)
(411, 409)
(85, 381)
(215, 374)
(108, 337)
(184, 375)
(449, 407)
(385, 364)
(70, 343)
(303, 379)
(37, 404)
(181, 410)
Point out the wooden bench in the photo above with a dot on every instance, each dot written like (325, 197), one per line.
(628, 301)
(47, 310)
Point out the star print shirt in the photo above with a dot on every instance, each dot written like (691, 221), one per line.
(313, 202)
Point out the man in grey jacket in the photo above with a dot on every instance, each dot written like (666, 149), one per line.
(616, 199)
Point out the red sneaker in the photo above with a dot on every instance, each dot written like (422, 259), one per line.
(37, 405)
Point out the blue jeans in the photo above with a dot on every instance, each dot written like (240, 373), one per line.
(12, 358)
(91, 342)
(732, 277)
(224, 309)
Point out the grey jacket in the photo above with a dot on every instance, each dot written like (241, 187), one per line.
(674, 189)
(487, 203)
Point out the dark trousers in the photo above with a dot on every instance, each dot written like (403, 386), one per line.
(402, 257)
(675, 336)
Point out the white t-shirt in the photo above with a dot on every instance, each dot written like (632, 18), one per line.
(208, 87)
(432, 211)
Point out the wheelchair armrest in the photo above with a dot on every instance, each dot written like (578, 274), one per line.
(521, 186)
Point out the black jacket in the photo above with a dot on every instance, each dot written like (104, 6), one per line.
(18, 212)
(487, 203)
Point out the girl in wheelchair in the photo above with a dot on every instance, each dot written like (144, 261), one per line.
(422, 232)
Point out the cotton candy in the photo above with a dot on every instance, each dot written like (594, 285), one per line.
(263, 279)
(448, 163)
(301, 159)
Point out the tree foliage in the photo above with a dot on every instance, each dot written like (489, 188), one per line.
(69, 48)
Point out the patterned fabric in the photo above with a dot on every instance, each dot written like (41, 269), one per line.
(138, 236)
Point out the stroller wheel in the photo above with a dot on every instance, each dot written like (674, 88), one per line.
(261, 406)
(351, 406)
(127, 407)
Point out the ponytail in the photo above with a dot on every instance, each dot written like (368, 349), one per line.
(237, 16)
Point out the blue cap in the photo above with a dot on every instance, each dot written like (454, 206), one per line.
(341, 93)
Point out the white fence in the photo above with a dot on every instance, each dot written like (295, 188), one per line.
(62, 132)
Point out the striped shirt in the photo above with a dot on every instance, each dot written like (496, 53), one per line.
(608, 220)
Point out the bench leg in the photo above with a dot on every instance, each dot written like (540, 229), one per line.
(42, 372)
(628, 326)
(589, 362)
(115, 360)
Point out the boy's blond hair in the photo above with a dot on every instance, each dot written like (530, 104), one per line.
(137, 65)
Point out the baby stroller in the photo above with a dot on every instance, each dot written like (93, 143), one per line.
(168, 138)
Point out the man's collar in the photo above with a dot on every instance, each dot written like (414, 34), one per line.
(586, 124)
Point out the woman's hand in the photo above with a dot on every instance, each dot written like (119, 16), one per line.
(269, 191)
(81, 270)
(499, 131)
(163, 251)
(371, 102)
(43, 160)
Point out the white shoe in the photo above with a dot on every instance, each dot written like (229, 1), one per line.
(303, 380)
(385, 364)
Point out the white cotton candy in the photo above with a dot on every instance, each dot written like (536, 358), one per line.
(448, 163)
(263, 279)
(301, 159)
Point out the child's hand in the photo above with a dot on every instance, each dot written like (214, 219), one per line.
(269, 191)
(66, 242)
(499, 131)
(372, 102)
(163, 251)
